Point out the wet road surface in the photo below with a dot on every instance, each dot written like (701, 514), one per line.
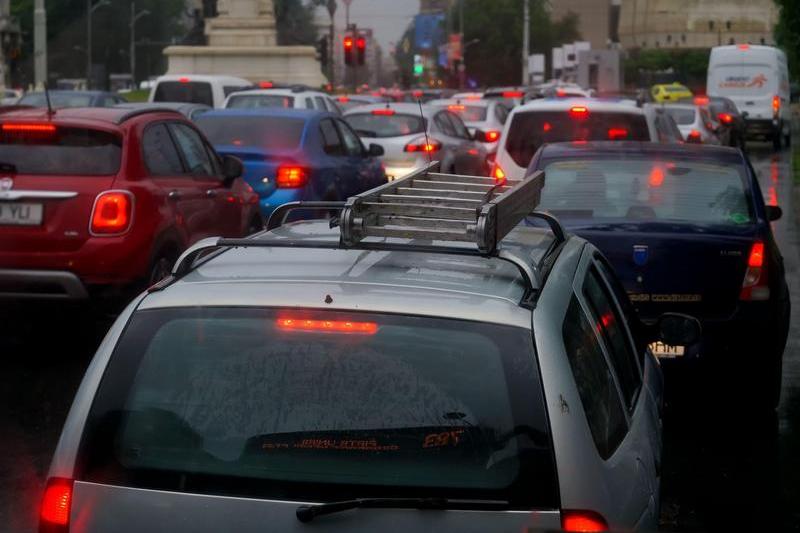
(726, 467)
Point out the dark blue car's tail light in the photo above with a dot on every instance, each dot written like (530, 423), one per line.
(755, 286)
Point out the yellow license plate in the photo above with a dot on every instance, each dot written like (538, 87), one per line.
(666, 351)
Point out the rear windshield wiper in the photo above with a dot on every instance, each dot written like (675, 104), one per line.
(307, 513)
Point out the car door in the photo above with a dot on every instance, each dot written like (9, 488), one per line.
(332, 173)
(206, 218)
(625, 440)
(364, 171)
(470, 155)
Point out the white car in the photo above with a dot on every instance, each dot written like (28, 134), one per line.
(485, 118)
(210, 90)
(297, 97)
(695, 122)
(531, 125)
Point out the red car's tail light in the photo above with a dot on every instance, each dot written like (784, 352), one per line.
(56, 505)
(329, 326)
(582, 521)
(755, 286)
(656, 178)
(112, 213)
(291, 177)
(744, 47)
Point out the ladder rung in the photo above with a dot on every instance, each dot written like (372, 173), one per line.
(418, 233)
(420, 199)
(420, 222)
(455, 186)
(421, 210)
(435, 176)
(443, 193)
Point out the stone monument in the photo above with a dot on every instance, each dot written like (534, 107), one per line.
(242, 41)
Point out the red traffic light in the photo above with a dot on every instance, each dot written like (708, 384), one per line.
(361, 43)
(348, 42)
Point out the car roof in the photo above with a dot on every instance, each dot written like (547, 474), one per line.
(638, 148)
(463, 101)
(70, 92)
(469, 287)
(281, 92)
(106, 115)
(288, 112)
(593, 104)
(202, 77)
(405, 108)
(163, 105)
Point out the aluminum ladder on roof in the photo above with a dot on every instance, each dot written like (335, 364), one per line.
(446, 207)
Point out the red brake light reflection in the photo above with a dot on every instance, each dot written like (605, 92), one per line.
(582, 521)
(546, 127)
(656, 177)
(56, 502)
(331, 326)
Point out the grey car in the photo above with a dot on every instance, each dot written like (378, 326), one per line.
(412, 135)
(484, 118)
(367, 381)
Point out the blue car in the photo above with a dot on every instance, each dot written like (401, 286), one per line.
(686, 229)
(294, 154)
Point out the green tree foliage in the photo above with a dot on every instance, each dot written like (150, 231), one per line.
(646, 67)
(66, 36)
(787, 33)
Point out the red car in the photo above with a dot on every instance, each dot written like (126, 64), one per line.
(97, 201)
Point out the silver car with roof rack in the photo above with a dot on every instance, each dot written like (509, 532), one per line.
(425, 364)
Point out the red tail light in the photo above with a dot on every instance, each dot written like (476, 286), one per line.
(513, 94)
(579, 111)
(492, 136)
(329, 326)
(429, 147)
(498, 174)
(56, 505)
(387, 112)
(112, 213)
(291, 177)
(725, 118)
(776, 105)
(755, 286)
(617, 134)
(694, 137)
(582, 521)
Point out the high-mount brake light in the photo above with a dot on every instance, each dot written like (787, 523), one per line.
(386, 112)
(28, 128)
(579, 111)
(561, 93)
(582, 521)
(513, 94)
(112, 213)
(456, 107)
(291, 177)
(326, 326)
(616, 134)
(492, 136)
(343, 99)
(701, 100)
(56, 505)
(266, 84)
(755, 286)
(546, 127)
(474, 97)
(744, 47)
(421, 145)
(183, 80)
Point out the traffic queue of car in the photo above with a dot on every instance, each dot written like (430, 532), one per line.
(456, 304)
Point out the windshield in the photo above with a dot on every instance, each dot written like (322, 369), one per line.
(57, 100)
(681, 115)
(377, 125)
(66, 151)
(243, 101)
(196, 92)
(277, 133)
(322, 405)
(646, 190)
(531, 129)
(469, 113)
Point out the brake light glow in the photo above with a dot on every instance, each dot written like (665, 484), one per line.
(656, 178)
(578, 111)
(387, 112)
(183, 80)
(513, 94)
(422, 146)
(456, 107)
(744, 47)
(474, 97)
(329, 326)
(776, 104)
(492, 136)
(616, 134)
(725, 118)
(291, 177)
(343, 99)
(755, 286)
(582, 521)
(266, 85)
(694, 137)
(56, 503)
(561, 93)
(498, 174)
(546, 127)
(29, 128)
(112, 213)
(701, 100)
(416, 94)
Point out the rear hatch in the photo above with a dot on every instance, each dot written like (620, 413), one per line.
(750, 86)
(401, 135)
(50, 176)
(211, 419)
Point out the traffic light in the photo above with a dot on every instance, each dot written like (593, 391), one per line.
(361, 47)
(419, 67)
(348, 49)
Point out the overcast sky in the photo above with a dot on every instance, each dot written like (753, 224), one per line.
(388, 18)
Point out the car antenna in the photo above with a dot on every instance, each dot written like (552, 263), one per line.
(50, 111)
(425, 131)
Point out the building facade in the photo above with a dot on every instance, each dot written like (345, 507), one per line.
(594, 19)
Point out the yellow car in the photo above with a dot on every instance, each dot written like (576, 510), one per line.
(670, 92)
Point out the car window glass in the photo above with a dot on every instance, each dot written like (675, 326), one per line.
(309, 102)
(160, 155)
(595, 383)
(611, 324)
(320, 101)
(193, 149)
(331, 142)
(626, 306)
(458, 125)
(444, 125)
(352, 143)
(501, 113)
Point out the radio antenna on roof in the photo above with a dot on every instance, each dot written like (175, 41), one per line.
(50, 111)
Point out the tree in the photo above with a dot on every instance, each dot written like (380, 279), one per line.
(787, 33)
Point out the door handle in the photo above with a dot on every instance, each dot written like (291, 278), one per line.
(211, 193)
(174, 195)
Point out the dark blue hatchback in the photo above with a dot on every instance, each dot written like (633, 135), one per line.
(687, 230)
(294, 154)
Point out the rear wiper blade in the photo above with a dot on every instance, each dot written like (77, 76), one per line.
(307, 513)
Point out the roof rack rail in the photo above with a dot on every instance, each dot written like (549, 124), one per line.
(144, 111)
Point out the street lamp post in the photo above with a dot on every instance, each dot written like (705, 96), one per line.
(134, 17)
(89, 10)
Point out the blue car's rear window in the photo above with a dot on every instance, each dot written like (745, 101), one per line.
(276, 133)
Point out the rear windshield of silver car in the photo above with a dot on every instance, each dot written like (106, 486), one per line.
(312, 405)
(380, 125)
(274, 133)
(197, 92)
(530, 130)
(682, 116)
(46, 148)
(251, 101)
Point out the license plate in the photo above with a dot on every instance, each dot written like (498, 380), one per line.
(17, 214)
(666, 351)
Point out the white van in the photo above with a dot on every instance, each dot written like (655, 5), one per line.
(210, 90)
(756, 78)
